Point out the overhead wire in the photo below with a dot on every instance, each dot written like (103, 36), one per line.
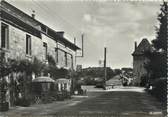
(61, 17)
(46, 8)
(46, 11)
(48, 14)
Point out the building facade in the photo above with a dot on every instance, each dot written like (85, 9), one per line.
(139, 60)
(24, 37)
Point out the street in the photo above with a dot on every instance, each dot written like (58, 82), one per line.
(83, 59)
(125, 102)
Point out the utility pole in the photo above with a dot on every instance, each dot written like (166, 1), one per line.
(82, 45)
(82, 54)
(76, 56)
(105, 69)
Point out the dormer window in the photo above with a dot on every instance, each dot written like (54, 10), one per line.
(44, 29)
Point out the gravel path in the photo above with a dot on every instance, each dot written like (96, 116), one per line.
(122, 102)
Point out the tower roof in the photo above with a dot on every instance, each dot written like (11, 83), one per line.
(142, 47)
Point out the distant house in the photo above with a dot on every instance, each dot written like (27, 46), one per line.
(139, 60)
(79, 68)
(24, 37)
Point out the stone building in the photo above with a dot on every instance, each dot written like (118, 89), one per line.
(139, 60)
(24, 37)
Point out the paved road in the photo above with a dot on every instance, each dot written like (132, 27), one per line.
(123, 102)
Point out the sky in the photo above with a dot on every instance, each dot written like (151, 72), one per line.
(114, 25)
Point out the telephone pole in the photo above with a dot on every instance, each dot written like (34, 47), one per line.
(105, 69)
(77, 56)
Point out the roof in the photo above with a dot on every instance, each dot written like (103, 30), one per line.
(62, 80)
(21, 19)
(10, 19)
(142, 47)
(43, 79)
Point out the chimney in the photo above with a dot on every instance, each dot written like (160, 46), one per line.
(33, 14)
(135, 45)
(61, 33)
(75, 41)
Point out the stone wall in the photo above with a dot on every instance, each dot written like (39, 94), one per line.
(51, 45)
(17, 47)
(61, 56)
(139, 67)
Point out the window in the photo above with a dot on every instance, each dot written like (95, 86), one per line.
(61, 58)
(71, 61)
(4, 36)
(56, 55)
(43, 28)
(28, 44)
(66, 60)
(45, 50)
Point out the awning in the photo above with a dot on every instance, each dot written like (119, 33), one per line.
(43, 79)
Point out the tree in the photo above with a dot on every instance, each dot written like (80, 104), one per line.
(161, 38)
(4, 66)
(38, 66)
(4, 71)
(158, 64)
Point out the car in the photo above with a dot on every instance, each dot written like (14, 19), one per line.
(100, 85)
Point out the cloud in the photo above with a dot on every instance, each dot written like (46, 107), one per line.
(113, 24)
(117, 26)
(87, 17)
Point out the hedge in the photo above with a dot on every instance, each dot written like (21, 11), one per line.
(159, 90)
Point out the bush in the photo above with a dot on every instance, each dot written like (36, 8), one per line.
(144, 81)
(23, 102)
(159, 89)
(4, 106)
(60, 96)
